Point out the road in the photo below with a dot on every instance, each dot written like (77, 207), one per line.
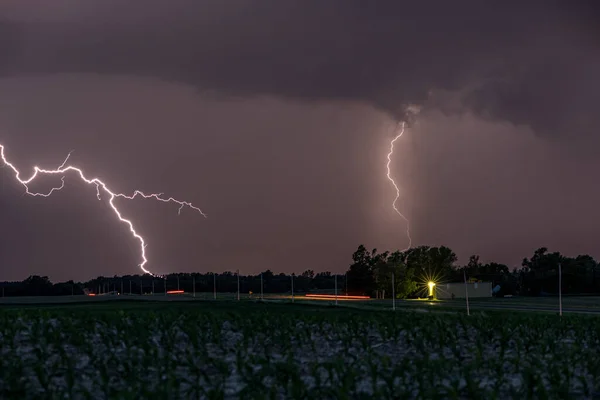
(570, 305)
(503, 305)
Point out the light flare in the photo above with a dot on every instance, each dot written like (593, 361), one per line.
(431, 285)
(389, 176)
(100, 186)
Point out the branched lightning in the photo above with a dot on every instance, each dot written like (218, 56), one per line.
(100, 187)
(389, 176)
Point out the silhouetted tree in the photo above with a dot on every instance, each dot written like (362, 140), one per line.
(369, 273)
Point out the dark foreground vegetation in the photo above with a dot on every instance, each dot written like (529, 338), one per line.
(370, 273)
(255, 351)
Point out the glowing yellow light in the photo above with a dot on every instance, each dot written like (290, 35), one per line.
(431, 285)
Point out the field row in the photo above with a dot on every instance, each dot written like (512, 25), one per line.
(259, 351)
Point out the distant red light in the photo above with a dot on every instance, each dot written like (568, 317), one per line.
(175, 292)
(91, 294)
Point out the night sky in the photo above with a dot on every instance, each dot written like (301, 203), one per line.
(275, 116)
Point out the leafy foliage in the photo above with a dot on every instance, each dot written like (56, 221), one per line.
(371, 272)
(278, 351)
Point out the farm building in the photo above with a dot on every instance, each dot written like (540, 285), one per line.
(457, 290)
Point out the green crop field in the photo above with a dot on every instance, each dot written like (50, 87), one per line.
(227, 350)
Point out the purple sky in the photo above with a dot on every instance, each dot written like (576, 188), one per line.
(275, 118)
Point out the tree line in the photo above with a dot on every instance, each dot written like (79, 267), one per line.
(370, 273)
(227, 282)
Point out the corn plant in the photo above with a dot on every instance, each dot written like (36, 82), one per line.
(272, 351)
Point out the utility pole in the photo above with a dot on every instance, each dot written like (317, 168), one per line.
(560, 289)
(466, 291)
(292, 287)
(336, 294)
(238, 279)
(393, 294)
(214, 286)
(121, 286)
(177, 281)
(165, 285)
(130, 290)
(261, 287)
(194, 285)
(346, 282)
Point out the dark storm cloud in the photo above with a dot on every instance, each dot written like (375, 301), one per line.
(531, 62)
(293, 185)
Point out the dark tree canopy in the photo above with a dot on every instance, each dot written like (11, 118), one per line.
(371, 273)
(374, 273)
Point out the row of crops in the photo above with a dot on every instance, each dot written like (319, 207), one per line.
(281, 351)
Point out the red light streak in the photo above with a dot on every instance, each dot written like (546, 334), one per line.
(339, 297)
(175, 292)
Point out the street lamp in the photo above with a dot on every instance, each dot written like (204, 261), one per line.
(431, 286)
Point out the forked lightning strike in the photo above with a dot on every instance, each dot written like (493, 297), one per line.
(389, 176)
(64, 168)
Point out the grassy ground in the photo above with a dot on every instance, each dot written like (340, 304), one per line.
(198, 349)
(571, 304)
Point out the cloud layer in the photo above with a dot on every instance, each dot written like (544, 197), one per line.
(170, 96)
(532, 63)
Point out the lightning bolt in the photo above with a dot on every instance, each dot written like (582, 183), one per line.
(389, 176)
(100, 187)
